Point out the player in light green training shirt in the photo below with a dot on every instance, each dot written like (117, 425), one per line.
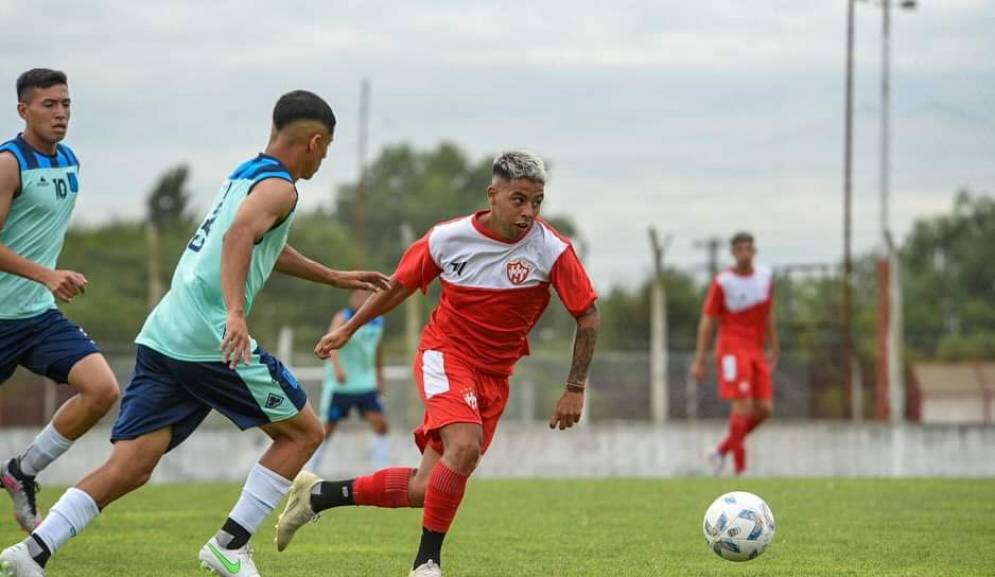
(195, 352)
(354, 379)
(39, 185)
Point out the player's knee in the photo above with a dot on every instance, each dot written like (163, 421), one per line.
(313, 435)
(103, 396)
(463, 454)
(416, 491)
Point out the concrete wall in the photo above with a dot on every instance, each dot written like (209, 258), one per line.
(600, 450)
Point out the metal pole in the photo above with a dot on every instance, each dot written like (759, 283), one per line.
(885, 359)
(359, 223)
(658, 331)
(845, 328)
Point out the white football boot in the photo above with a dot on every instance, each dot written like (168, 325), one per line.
(298, 511)
(228, 562)
(717, 462)
(427, 569)
(22, 491)
(16, 561)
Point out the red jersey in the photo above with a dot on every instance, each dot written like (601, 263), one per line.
(493, 290)
(742, 304)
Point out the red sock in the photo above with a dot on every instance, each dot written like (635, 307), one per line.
(442, 497)
(754, 423)
(738, 426)
(385, 488)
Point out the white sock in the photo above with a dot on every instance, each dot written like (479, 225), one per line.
(67, 518)
(46, 447)
(380, 449)
(262, 492)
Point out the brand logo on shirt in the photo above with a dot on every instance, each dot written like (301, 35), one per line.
(518, 270)
(457, 267)
(43, 182)
(471, 399)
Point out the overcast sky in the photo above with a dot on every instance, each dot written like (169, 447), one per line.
(697, 117)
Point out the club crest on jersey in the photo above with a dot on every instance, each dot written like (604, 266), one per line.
(471, 399)
(518, 270)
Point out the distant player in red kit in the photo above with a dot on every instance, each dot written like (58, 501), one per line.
(739, 303)
(496, 268)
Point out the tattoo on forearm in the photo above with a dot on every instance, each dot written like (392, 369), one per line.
(583, 353)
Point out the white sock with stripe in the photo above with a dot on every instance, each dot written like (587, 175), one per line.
(67, 518)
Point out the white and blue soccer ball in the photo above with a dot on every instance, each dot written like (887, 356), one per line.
(739, 526)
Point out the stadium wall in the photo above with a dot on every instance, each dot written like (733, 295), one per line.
(604, 449)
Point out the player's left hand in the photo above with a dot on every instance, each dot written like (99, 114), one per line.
(237, 343)
(567, 412)
(334, 340)
(362, 279)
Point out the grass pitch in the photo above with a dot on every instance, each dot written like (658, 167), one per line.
(558, 528)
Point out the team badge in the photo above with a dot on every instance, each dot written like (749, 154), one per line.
(518, 270)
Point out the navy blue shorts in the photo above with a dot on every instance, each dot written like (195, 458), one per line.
(165, 392)
(343, 403)
(48, 344)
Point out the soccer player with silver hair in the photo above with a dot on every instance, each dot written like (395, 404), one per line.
(496, 268)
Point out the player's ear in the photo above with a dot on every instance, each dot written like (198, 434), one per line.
(22, 110)
(491, 194)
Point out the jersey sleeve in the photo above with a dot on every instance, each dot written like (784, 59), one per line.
(572, 283)
(417, 269)
(714, 300)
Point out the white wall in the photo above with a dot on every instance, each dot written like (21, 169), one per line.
(605, 449)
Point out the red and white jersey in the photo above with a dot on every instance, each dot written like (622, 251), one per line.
(493, 290)
(742, 304)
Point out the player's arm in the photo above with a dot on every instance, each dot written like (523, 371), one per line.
(710, 311)
(292, 262)
(772, 341)
(340, 377)
(706, 332)
(271, 200)
(64, 284)
(416, 270)
(378, 304)
(570, 405)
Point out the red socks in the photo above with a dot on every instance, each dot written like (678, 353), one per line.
(739, 426)
(385, 488)
(442, 497)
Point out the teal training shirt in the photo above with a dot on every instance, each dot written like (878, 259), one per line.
(36, 224)
(189, 323)
(358, 358)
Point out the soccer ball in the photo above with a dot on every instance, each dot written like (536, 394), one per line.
(739, 526)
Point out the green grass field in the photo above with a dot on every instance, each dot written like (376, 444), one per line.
(562, 528)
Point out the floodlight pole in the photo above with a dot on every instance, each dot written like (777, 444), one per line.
(845, 318)
(658, 331)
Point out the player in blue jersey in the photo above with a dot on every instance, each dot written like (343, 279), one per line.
(39, 185)
(195, 352)
(354, 380)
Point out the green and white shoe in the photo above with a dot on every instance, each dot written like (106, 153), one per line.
(227, 562)
(16, 561)
(298, 511)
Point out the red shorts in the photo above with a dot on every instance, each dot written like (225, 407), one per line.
(455, 392)
(744, 374)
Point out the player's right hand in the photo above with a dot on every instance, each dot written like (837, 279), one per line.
(237, 344)
(65, 284)
(699, 371)
(334, 340)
